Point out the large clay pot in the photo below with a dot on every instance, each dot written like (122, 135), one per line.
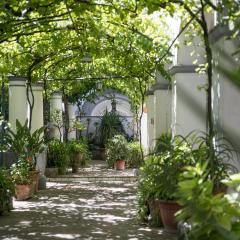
(34, 175)
(120, 165)
(23, 192)
(168, 210)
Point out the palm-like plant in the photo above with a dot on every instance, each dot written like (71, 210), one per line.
(110, 126)
(24, 143)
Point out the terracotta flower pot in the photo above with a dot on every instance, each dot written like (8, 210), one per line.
(120, 165)
(168, 210)
(23, 192)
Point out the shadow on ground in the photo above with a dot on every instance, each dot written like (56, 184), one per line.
(84, 211)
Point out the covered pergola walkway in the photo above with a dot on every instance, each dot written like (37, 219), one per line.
(93, 209)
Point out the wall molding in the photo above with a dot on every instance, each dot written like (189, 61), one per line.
(219, 32)
(183, 69)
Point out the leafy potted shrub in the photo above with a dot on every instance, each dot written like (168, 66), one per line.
(117, 152)
(134, 156)
(208, 216)
(148, 194)
(187, 152)
(6, 191)
(24, 143)
(163, 143)
(110, 125)
(27, 145)
(163, 182)
(79, 154)
(57, 156)
(21, 176)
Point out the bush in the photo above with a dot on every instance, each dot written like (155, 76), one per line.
(210, 216)
(159, 175)
(163, 143)
(81, 147)
(148, 186)
(6, 191)
(110, 126)
(134, 156)
(57, 155)
(20, 172)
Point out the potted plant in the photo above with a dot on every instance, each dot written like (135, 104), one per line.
(148, 198)
(57, 157)
(21, 177)
(207, 216)
(79, 154)
(117, 152)
(187, 152)
(110, 125)
(6, 191)
(170, 165)
(134, 156)
(27, 145)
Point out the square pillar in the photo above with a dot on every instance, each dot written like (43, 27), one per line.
(162, 109)
(150, 119)
(56, 105)
(189, 104)
(72, 119)
(17, 100)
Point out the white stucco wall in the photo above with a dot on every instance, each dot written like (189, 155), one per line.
(150, 120)
(189, 104)
(162, 111)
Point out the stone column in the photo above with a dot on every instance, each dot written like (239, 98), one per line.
(37, 121)
(189, 102)
(17, 100)
(56, 105)
(72, 119)
(226, 93)
(162, 108)
(144, 127)
(37, 113)
(150, 118)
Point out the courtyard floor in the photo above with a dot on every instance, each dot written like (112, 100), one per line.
(82, 209)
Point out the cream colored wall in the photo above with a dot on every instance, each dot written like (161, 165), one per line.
(189, 105)
(72, 118)
(150, 120)
(56, 103)
(37, 114)
(17, 102)
(227, 110)
(162, 111)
